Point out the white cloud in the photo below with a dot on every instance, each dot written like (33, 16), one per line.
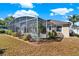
(20, 13)
(40, 1)
(70, 9)
(1, 19)
(26, 5)
(61, 11)
(51, 14)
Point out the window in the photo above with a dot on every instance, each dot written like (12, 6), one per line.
(59, 28)
(49, 26)
(54, 27)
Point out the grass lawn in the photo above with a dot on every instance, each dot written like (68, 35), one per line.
(68, 46)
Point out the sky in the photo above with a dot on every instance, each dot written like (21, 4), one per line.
(55, 11)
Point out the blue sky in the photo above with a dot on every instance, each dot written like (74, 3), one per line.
(56, 11)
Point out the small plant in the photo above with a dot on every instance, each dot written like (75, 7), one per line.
(9, 32)
(27, 37)
(52, 34)
(2, 31)
(49, 34)
(77, 35)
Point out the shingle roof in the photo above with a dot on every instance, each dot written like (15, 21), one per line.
(58, 22)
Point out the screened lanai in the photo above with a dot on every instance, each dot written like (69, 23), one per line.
(36, 27)
(32, 25)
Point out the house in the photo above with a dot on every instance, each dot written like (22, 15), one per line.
(38, 27)
(76, 29)
(2, 27)
(59, 26)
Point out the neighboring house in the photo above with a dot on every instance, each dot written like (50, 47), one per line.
(76, 30)
(3, 28)
(37, 27)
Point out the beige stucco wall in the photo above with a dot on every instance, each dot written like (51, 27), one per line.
(65, 31)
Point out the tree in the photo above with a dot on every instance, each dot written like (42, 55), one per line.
(8, 19)
(2, 22)
(73, 19)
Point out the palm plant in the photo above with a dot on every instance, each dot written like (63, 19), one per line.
(73, 19)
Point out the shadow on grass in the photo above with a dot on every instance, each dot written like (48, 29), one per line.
(2, 50)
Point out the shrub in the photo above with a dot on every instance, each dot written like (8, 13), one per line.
(27, 37)
(77, 35)
(49, 34)
(18, 34)
(9, 32)
(2, 31)
(52, 34)
(72, 33)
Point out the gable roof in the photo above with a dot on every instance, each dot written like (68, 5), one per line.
(55, 22)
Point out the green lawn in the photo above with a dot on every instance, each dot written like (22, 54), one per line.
(68, 46)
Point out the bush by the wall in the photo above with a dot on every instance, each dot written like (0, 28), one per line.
(77, 35)
(49, 34)
(9, 32)
(2, 31)
(52, 34)
(27, 37)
